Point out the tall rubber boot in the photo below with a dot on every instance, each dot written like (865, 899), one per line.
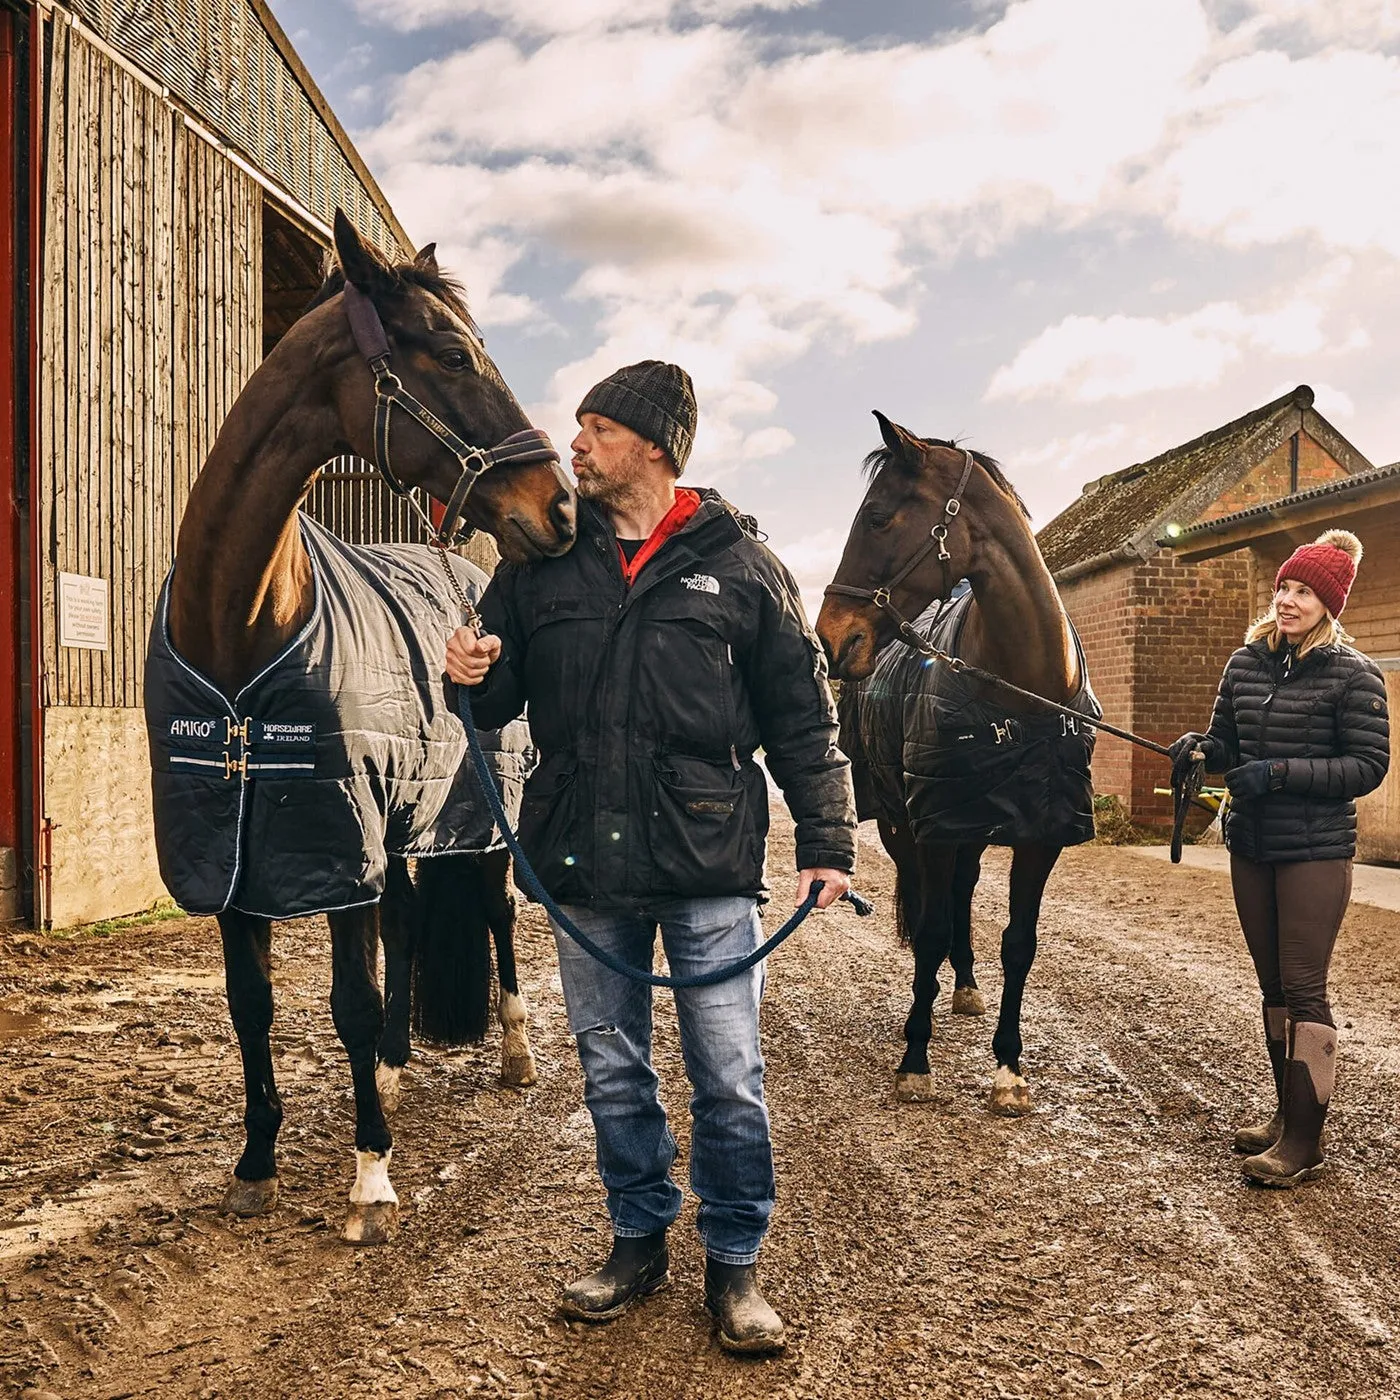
(1259, 1137)
(1308, 1079)
(637, 1267)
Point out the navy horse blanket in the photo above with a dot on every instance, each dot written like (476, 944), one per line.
(289, 797)
(945, 753)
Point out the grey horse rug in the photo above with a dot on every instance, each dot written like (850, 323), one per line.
(288, 797)
(960, 761)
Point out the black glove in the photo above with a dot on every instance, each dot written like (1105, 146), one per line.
(1258, 778)
(1181, 750)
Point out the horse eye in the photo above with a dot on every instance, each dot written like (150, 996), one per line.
(455, 359)
(877, 520)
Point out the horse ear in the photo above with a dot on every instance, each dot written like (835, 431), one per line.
(426, 259)
(897, 439)
(358, 261)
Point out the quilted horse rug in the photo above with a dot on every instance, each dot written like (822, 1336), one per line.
(289, 797)
(940, 750)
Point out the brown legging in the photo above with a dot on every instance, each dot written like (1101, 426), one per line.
(1290, 915)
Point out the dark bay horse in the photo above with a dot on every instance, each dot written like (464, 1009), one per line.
(244, 589)
(947, 765)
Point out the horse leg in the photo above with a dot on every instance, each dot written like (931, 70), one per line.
(358, 1012)
(517, 1059)
(247, 944)
(924, 875)
(1030, 869)
(396, 933)
(967, 997)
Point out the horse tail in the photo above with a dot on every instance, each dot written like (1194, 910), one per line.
(452, 963)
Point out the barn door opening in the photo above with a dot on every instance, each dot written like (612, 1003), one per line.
(291, 272)
(15, 858)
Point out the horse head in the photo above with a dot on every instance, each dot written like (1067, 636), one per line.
(918, 531)
(437, 355)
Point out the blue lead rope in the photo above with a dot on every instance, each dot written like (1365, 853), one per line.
(540, 895)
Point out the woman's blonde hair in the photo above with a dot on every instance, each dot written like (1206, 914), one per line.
(1327, 633)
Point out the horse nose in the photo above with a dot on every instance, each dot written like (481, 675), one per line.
(563, 516)
(849, 645)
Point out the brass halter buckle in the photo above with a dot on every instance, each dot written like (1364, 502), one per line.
(881, 597)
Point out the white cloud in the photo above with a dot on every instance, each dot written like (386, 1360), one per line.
(560, 16)
(1089, 359)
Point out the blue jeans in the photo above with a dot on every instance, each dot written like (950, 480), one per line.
(731, 1157)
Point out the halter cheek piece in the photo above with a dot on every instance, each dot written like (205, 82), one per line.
(519, 449)
(938, 538)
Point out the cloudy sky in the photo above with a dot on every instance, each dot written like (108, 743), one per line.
(1073, 232)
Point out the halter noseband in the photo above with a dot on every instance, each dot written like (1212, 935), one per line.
(938, 537)
(531, 445)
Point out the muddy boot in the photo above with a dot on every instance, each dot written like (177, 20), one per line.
(746, 1323)
(1259, 1137)
(1308, 1078)
(638, 1266)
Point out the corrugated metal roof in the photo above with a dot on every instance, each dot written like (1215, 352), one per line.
(1115, 510)
(1345, 486)
(230, 64)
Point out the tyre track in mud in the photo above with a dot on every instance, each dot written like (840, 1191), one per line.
(1104, 1245)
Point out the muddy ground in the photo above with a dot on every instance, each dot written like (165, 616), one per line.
(1104, 1246)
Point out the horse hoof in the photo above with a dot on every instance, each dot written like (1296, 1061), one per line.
(913, 1088)
(375, 1223)
(386, 1080)
(1011, 1095)
(969, 1001)
(249, 1198)
(518, 1070)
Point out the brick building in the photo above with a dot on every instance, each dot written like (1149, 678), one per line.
(1260, 537)
(1156, 625)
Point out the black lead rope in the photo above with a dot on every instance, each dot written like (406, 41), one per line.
(540, 895)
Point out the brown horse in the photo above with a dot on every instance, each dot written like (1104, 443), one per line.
(244, 587)
(935, 514)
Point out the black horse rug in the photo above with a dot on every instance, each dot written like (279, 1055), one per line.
(288, 797)
(960, 761)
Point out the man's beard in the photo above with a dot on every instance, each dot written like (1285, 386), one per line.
(611, 491)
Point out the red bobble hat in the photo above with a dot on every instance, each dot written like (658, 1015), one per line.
(1327, 566)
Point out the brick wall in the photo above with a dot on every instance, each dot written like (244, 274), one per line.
(1156, 635)
(1272, 479)
(1101, 607)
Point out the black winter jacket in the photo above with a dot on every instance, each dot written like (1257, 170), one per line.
(1327, 717)
(647, 704)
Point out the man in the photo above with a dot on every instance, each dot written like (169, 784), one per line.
(656, 657)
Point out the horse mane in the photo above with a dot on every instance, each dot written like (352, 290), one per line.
(401, 277)
(876, 461)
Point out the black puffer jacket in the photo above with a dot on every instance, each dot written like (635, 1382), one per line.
(1325, 715)
(647, 704)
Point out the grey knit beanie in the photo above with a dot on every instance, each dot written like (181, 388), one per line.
(654, 399)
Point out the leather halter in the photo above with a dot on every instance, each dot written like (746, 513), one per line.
(518, 449)
(938, 538)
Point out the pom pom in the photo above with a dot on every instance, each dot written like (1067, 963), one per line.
(1343, 540)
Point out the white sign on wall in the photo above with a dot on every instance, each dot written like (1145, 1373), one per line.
(82, 612)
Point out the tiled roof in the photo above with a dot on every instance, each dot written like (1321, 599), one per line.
(1116, 511)
(1345, 486)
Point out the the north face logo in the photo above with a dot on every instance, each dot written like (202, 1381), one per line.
(701, 583)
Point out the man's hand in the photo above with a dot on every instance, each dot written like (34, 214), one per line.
(835, 883)
(469, 657)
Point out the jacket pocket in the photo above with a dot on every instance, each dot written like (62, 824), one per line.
(547, 829)
(703, 836)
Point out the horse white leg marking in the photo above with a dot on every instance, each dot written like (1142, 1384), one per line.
(517, 1059)
(1011, 1095)
(374, 1207)
(386, 1080)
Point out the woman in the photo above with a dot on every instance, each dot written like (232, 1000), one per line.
(1300, 729)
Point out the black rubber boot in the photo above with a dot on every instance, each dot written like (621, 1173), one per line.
(747, 1324)
(1308, 1080)
(1259, 1137)
(637, 1267)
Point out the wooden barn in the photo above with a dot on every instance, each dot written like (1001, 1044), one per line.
(1157, 625)
(170, 173)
